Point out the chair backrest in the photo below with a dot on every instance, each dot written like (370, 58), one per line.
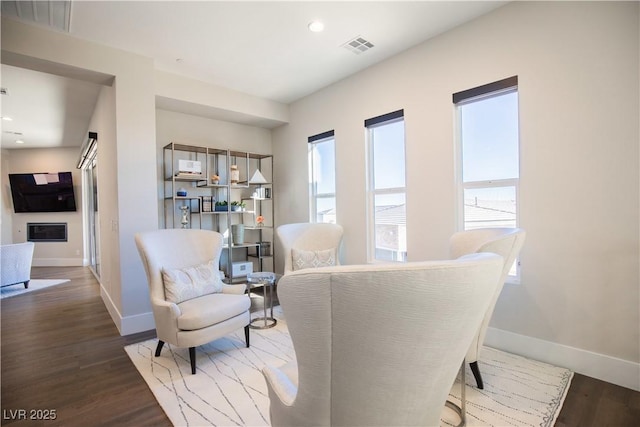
(382, 344)
(175, 248)
(506, 242)
(308, 237)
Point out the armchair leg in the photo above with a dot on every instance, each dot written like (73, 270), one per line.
(159, 347)
(246, 334)
(26, 284)
(476, 374)
(192, 357)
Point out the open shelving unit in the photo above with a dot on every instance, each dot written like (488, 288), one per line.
(214, 185)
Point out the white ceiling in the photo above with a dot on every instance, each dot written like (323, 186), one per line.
(47, 111)
(262, 48)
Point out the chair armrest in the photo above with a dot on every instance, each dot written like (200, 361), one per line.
(234, 289)
(281, 385)
(165, 314)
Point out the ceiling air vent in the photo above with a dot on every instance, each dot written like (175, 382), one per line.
(358, 45)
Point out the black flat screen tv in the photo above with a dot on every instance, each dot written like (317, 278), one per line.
(42, 192)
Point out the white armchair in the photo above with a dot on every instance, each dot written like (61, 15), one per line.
(506, 242)
(16, 262)
(310, 245)
(191, 306)
(377, 345)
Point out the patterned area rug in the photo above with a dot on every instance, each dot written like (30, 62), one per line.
(229, 389)
(34, 285)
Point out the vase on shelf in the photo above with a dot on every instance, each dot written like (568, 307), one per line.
(237, 234)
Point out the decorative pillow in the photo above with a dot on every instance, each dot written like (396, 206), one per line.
(181, 284)
(313, 259)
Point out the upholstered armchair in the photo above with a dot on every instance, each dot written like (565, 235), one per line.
(377, 345)
(307, 245)
(191, 306)
(506, 242)
(16, 262)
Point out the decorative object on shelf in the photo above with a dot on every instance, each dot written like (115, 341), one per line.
(237, 206)
(259, 220)
(215, 179)
(237, 234)
(259, 193)
(185, 216)
(222, 206)
(189, 167)
(235, 174)
(264, 249)
(207, 203)
(267, 193)
(181, 192)
(257, 178)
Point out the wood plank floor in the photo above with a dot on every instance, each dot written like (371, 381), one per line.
(61, 351)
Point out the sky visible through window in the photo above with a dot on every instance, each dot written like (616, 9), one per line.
(490, 160)
(324, 159)
(489, 130)
(323, 181)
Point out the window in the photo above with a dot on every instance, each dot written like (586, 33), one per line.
(488, 156)
(386, 192)
(322, 177)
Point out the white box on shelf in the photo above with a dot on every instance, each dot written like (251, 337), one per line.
(241, 268)
(189, 166)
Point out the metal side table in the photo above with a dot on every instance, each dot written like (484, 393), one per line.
(265, 279)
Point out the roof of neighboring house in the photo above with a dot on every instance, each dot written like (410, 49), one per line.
(391, 215)
(490, 212)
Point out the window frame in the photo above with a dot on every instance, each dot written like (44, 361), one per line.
(371, 192)
(478, 94)
(313, 187)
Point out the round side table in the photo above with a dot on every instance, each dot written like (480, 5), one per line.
(265, 279)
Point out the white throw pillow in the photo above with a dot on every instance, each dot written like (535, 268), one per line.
(313, 259)
(181, 284)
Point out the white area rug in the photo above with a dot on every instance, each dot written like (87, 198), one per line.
(34, 285)
(229, 389)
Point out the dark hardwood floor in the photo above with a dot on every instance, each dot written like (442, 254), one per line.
(61, 352)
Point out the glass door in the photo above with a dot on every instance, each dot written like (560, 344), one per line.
(90, 171)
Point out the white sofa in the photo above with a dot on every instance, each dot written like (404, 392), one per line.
(16, 263)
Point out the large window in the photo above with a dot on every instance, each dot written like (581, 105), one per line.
(322, 177)
(489, 156)
(386, 192)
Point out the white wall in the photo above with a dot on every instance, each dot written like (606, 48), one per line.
(6, 204)
(33, 160)
(577, 65)
(103, 123)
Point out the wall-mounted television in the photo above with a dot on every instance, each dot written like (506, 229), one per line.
(42, 192)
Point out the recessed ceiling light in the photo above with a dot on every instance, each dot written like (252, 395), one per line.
(7, 119)
(19, 141)
(316, 26)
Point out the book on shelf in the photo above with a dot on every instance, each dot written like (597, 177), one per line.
(189, 175)
(207, 203)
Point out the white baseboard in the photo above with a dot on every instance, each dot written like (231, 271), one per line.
(57, 262)
(130, 324)
(606, 368)
(137, 323)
